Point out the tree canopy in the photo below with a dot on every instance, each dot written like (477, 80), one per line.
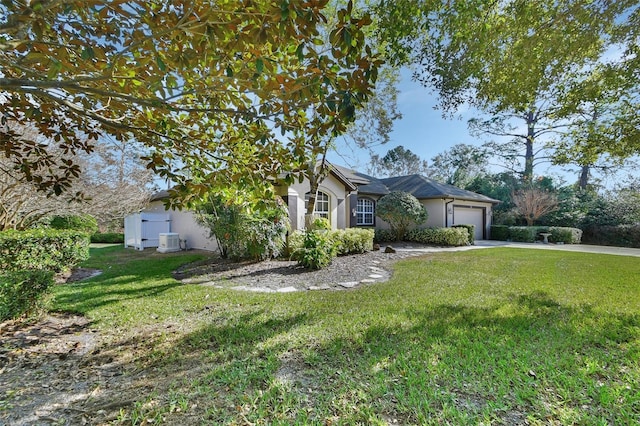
(515, 59)
(398, 161)
(219, 92)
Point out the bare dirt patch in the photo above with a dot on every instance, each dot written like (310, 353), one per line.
(61, 371)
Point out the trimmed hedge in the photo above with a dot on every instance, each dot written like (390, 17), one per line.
(560, 234)
(529, 234)
(619, 236)
(346, 241)
(352, 240)
(82, 223)
(42, 249)
(499, 232)
(523, 234)
(384, 236)
(439, 236)
(107, 238)
(22, 291)
(471, 229)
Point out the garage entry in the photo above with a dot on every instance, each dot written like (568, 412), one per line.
(470, 215)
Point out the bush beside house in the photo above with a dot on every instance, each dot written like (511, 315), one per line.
(401, 211)
(454, 237)
(471, 230)
(316, 250)
(242, 232)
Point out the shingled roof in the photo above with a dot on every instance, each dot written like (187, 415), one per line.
(423, 188)
(417, 185)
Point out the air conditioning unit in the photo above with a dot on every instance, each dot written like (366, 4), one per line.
(169, 242)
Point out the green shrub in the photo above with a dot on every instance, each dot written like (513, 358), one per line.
(21, 292)
(83, 223)
(529, 234)
(318, 250)
(500, 232)
(565, 235)
(45, 249)
(523, 234)
(439, 236)
(401, 211)
(352, 240)
(320, 224)
(295, 242)
(471, 229)
(384, 235)
(107, 238)
(618, 236)
(346, 241)
(245, 232)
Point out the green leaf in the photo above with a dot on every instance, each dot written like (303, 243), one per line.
(161, 64)
(87, 53)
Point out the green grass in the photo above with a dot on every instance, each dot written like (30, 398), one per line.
(497, 336)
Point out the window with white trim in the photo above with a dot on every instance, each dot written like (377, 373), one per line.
(322, 204)
(365, 211)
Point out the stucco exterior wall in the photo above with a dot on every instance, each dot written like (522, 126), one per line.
(185, 224)
(436, 211)
(338, 203)
(439, 214)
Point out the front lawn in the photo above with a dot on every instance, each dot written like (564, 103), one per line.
(494, 336)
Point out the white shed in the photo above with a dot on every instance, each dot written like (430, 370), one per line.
(142, 230)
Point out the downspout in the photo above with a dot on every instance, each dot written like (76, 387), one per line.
(446, 211)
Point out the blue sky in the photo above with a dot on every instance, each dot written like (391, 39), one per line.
(422, 128)
(426, 133)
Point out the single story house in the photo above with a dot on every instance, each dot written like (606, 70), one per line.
(348, 199)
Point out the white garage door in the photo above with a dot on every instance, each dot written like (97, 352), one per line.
(470, 216)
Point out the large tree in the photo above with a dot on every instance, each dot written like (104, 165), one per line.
(460, 165)
(398, 161)
(510, 59)
(600, 106)
(205, 85)
(115, 183)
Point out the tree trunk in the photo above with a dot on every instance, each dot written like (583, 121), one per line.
(315, 176)
(584, 176)
(313, 194)
(527, 176)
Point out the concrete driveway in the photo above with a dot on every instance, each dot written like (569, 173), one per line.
(482, 244)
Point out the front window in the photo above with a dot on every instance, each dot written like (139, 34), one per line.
(322, 204)
(365, 211)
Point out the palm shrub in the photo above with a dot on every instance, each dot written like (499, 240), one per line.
(401, 211)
